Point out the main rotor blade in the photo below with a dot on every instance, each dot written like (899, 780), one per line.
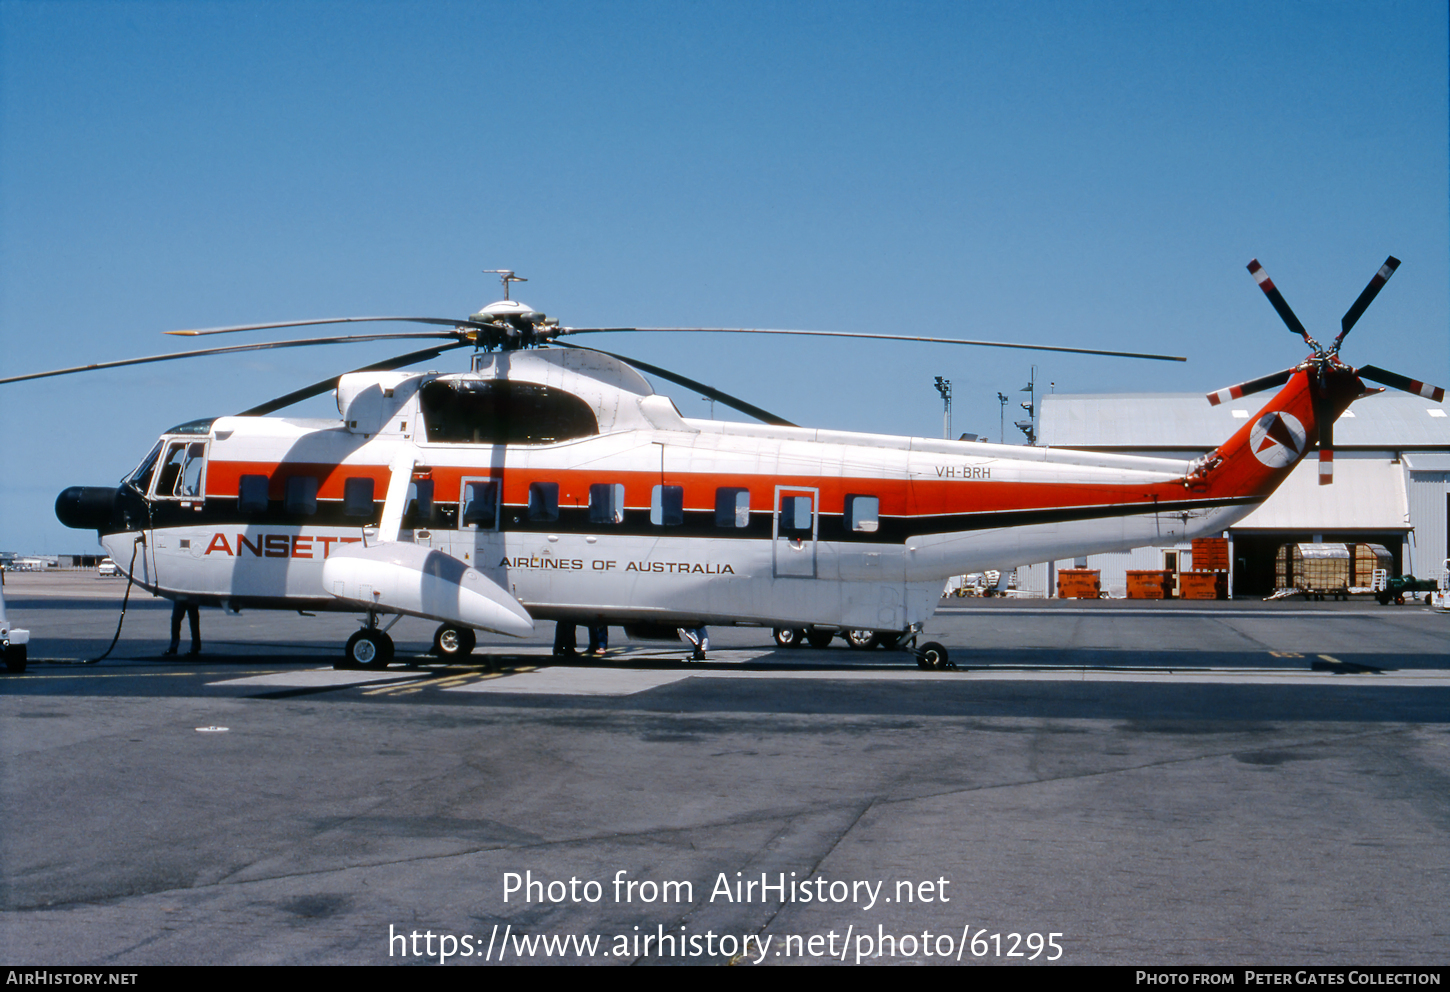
(1401, 382)
(347, 339)
(1352, 315)
(853, 334)
(444, 321)
(734, 402)
(1247, 388)
(1277, 299)
(317, 388)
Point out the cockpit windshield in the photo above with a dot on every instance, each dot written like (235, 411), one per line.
(141, 478)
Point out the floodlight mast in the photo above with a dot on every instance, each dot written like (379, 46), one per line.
(944, 386)
(1029, 426)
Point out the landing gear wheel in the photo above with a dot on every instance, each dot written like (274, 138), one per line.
(367, 649)
(789, 637)
(933, 655)
(454, 642)
(15, 659)
(861, 640)
(820, 638)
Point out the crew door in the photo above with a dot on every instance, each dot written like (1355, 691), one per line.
(796, 519)
(178, 493)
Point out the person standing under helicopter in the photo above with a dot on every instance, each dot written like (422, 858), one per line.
(193, 614)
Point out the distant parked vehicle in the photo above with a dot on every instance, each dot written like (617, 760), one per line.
(107, 569)
(29, 565)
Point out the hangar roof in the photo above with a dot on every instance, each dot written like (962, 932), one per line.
(1170, 421)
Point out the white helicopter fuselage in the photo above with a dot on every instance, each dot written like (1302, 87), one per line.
(629, 514)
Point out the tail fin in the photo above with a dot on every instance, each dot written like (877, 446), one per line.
(1263, 452)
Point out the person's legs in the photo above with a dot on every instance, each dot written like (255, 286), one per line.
(193, 614)
(176, 610)
(566, 638)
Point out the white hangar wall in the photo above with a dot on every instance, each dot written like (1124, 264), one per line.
(1391, 480)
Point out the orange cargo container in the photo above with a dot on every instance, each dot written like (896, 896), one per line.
(1210, 554)
(1203, 585)
(1079, 583)
(1150, 584)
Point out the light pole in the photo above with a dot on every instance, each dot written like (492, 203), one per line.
(1029, 426)
(944, 386)
(1002, 418)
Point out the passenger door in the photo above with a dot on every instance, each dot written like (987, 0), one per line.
(794, 537)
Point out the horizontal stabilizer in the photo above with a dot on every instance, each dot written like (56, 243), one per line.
(395, 577)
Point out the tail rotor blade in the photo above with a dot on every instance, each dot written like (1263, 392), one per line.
(1325, 420)
(1397, 381)
(1352, 315)
(1247, 388)
(1277, 299)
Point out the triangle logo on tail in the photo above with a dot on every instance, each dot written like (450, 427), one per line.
(1277, 439)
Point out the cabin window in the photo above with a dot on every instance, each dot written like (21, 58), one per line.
(667, 506)
(418, 510)
(357, 497)
(863, 514)
(795, 517)
(732, 507)
(606, 503)
(544, 501)
(302, 495)
(480, 503)
(252, 494)
(498, 411)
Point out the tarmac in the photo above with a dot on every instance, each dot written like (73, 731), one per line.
(1099, 782)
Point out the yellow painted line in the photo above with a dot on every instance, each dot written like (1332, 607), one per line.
(391, 687)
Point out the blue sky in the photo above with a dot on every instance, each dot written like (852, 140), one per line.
(1089, 174)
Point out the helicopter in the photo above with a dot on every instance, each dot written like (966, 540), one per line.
(551, 482)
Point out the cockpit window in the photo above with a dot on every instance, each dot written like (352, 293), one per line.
(189, 483)
(170, 468)
(141, 478)
(181, 470)
(497, 411)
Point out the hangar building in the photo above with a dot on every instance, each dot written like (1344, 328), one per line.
(1391, 482)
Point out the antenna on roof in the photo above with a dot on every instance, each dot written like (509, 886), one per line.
(506, 276)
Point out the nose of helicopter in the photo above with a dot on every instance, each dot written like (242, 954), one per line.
(86, 507)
